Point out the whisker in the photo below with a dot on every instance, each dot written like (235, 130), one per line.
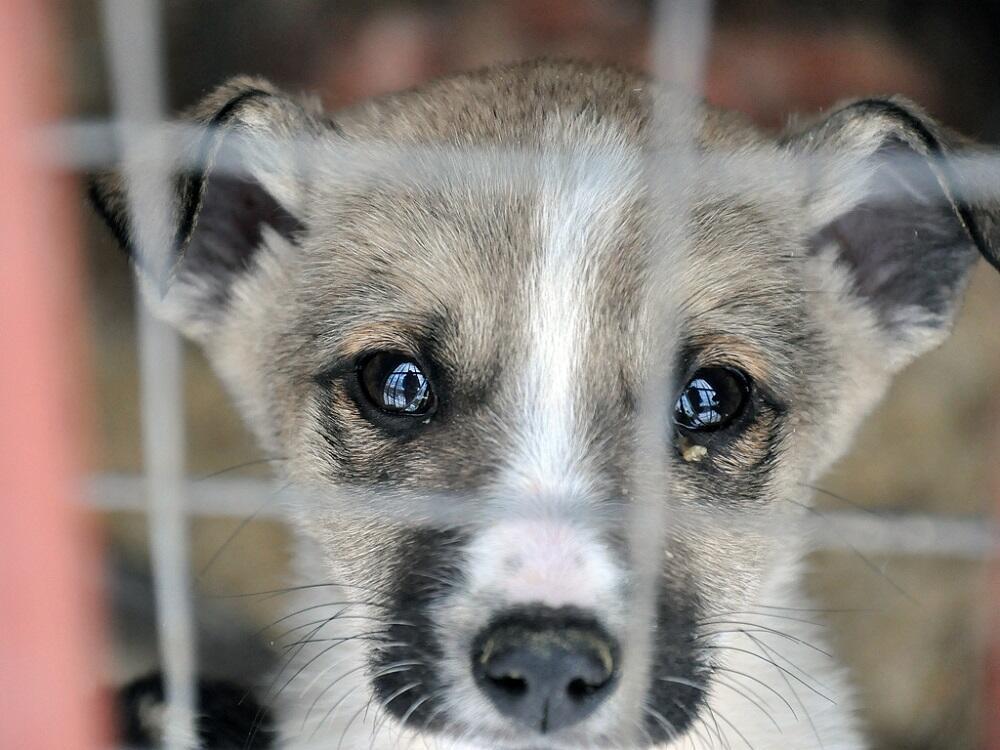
(697, 686)
(775, 653)
(414, 707)
(229, 539)
(237, 467)
(310, 623)
(772, 663)
(663, 721)
(306, 665)
(319, 676)
(375, 636)
(812, 724)
(391, 669)
(448, 583)
(763, 629)
(380, 723)
(695, 727)
(747, 697)
(243, 523)
(402, 667)
(342, 618)
(818, 610)
(332, 708)
(769, 615)
(269, 697)
(840, 498)
(730, 670)
(864, 559)
(433, 715)
(685, 682)
(294, 589)
(310, 608)
(737, 731)
(718, 730)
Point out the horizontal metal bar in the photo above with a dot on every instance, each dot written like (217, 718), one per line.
(207, 497)
(89, 145)
(917, 534)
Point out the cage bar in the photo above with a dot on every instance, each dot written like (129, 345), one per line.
(133, 37)
(45, 666)
(991, 688)
(680, 40)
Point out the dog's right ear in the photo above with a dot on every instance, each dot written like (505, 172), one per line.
(236, 185)
(902, 208)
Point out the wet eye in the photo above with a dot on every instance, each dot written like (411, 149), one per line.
(396, 384)
(712, 399)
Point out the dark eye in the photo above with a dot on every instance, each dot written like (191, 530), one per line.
(712, 399)
(396, 384)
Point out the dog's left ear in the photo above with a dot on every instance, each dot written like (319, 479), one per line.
(234, 177)
(893, 203)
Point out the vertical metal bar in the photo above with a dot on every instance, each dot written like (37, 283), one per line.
(681, 35)
(680, 44)
(991, 694)
(991, 689)
(48, 570)
(132, 30)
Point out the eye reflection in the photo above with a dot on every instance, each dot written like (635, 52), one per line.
(396, 384)
(406, 389)
(700, 403)
(711, 399)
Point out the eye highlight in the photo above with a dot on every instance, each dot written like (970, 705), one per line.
(712, 399)
(396, 384)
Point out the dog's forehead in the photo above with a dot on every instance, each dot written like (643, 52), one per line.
(560, 258)
(496, 236)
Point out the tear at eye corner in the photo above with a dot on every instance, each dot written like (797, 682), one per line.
(691, 452)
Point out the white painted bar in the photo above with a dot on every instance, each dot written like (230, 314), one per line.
(132, 31)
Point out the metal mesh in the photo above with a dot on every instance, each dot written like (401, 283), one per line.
(133, 42)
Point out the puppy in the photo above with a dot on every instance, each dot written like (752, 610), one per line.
(553, 354)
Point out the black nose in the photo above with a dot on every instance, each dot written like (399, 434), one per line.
(545, 668)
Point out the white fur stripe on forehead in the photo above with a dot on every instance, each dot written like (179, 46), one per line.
(582, 197)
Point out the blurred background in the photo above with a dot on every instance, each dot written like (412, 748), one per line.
(913, 630)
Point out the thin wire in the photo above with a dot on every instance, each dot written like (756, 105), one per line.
(680, 45)
(961, 537)
(89, 145)
(132, 36)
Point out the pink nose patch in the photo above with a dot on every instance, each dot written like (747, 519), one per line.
(547, 562)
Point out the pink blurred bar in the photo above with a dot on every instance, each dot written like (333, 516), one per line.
(49, 660)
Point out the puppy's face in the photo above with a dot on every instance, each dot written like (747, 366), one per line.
(489, 329)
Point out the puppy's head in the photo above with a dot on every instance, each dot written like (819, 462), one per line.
(453, 309)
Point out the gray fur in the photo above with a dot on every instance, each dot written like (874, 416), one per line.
(524, 279)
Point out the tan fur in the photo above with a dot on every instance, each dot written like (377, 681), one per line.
(435, 224)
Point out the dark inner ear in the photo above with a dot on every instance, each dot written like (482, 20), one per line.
(221, 215)
(220, 211)
(226, 225)
(907, 243)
